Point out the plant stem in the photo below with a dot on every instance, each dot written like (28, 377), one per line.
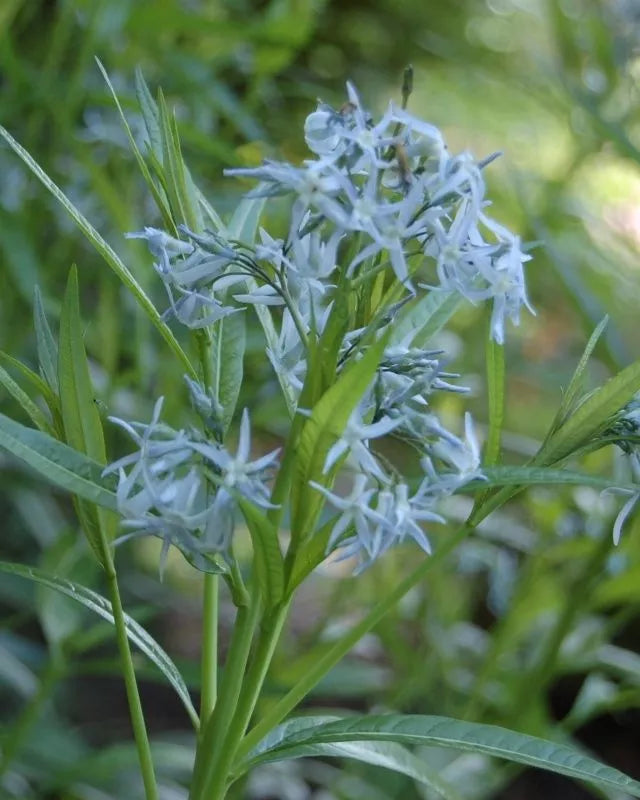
(269, 634)
(133, 697)
(214, 730)
(343, 645)
(209, 657)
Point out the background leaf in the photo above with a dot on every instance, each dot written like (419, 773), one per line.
(101, 606)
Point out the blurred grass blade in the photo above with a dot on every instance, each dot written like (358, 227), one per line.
(28, 406)
(444, 732)
(105, 250)
(37, 385)
(381, 754)
(57, 463)
(101, 606)
(159, 199)
(45, 343)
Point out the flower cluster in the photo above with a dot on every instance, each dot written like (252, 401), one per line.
(380, 202)
(184, 490)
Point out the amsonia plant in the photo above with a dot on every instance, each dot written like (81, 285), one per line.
(388, 234)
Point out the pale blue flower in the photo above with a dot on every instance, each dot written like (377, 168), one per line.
(355, 441)
(237, 473)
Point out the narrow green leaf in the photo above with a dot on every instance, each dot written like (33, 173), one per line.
(80, 417)
(446, 732)
(37, 383)
(182, 199)
(157, 195)
(576, 385)
(227, 355)
(591, 416)
(150, 113)
(58, 463)
(243, 224)
(101, 606)
(530, 476)
(268, 556)
(326, 424)
(381, 754)
(426, 316)
(27, 404)
(108, 254)
(210, 211)
(310, 556)
(82, 424)
(46, 344)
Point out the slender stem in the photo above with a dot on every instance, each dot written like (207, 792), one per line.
(251, 687)
(209, 657)
(215, 729)
(133, 697)
(13, 740)
(342, 647)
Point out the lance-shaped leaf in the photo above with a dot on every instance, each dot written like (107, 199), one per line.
(592, 416)
(180, 188)
(28, 406)
(444, 732)
(532, 476)
(327, 422)
(228, 341)
(46, 344)
(425, 316)
(80, 417)
(380, 754)
(58, 463)
(570, 398)
(102, 607)
(268, 556)
(157, 194)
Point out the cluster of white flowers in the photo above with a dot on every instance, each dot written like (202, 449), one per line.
(381, 197)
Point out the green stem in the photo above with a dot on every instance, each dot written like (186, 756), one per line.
(133, 697)
(209, 658)
(270, 631)
(343, 646)
(214, 730)
(15, 736)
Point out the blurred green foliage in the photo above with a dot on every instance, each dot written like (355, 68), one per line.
(534, 624)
